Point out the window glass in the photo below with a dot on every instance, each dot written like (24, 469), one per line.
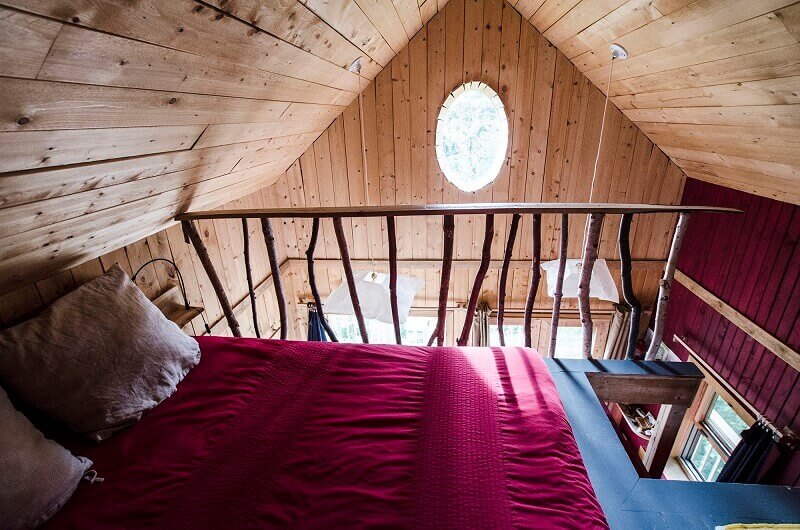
(568, 346)
(415, 331)
(471, 136)
(723, 421)
(705, 459)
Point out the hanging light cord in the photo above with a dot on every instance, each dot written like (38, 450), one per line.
(602, 128)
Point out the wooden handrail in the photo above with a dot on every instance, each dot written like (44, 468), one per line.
(596, 213)
(404, 210)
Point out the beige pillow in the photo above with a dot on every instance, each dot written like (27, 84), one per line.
(97, 357)
(37, 476)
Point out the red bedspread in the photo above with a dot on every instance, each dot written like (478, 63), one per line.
(269, 434)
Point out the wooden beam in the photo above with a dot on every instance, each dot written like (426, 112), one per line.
(249, 272)
(402, 210)
(393, 277)
(666, 286)
(536, 274)
(481, 274)
(627, 283)
(638, 388)
(659, 448)
(272, 253)
(501, 301)
(312, 280)
(348, 272)
(762, 336)
(514, 264)
(191, 234)
(592, 242)
(558, 292)
(448, 231)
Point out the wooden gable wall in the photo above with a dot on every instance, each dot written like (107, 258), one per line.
(554, 114)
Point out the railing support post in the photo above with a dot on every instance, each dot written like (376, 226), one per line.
(348, 272)
(501, 301)
(666, 286)
(536, 275)
(448, 232)
(589, 257)
(312, 280)
(627, 283)
(558, 292)
(269, 239)
(248, 270)
(190, 234)
(393, 277)
(486, 254)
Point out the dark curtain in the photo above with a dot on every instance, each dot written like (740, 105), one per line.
(316, 331)
(752, 458)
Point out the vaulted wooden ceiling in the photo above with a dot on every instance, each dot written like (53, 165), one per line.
(116, 115)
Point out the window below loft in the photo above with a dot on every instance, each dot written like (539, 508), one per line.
(712, 439)
(568, 346)
(471, 136)
(415, 331)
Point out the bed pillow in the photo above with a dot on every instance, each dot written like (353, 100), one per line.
(37, 476)
(97, 357)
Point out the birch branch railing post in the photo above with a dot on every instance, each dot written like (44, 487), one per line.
(448, 232)
(627, 283)
(190, 233)
(269, 240)
(249, 272)
(486, 254)
(536, 274)
(501, 295)
(595, 211)
(587, 265)
(312, 280)
(558, 292)
(344, 253)
(666, 286)
(393, 277)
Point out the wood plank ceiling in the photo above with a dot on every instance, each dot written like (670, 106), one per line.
(116, 114)
(714, 83)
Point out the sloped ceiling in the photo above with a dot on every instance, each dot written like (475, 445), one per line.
(117, 115)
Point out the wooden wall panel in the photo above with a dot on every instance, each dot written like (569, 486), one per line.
(93, 88)
(751, 262)
(224, 241)
(554, 116)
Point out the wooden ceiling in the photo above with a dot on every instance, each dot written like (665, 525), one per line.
(714, 83)
(116, 115)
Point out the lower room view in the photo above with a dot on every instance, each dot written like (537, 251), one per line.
(400, 264)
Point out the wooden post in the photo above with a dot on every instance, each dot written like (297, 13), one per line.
(627, 283)
(269, 239)
(486, 254)
(312, 244)
(393, 277)
(251, 292)
(191, 234)
(501, 301)
(536, 275)
(558, 293)
(659, 448)
(589, 257)
(348, 272)
(666, 286)
(444, 285)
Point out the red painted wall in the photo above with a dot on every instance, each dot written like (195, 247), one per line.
(752, 262)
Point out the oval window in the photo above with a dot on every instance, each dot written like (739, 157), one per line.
(471, 136)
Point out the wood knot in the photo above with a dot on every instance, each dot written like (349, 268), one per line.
(173, 101)
(23, 121)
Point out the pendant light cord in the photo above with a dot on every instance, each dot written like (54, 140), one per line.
(602, 128)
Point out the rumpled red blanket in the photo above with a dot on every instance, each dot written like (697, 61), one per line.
(276, 434)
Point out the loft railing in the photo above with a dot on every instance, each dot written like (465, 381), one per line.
(595, 212)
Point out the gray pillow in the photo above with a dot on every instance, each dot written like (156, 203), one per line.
(37, 476)
(97, 357)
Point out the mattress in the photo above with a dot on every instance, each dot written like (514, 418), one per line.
(277, 434)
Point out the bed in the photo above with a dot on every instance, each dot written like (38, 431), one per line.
(266, 433)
